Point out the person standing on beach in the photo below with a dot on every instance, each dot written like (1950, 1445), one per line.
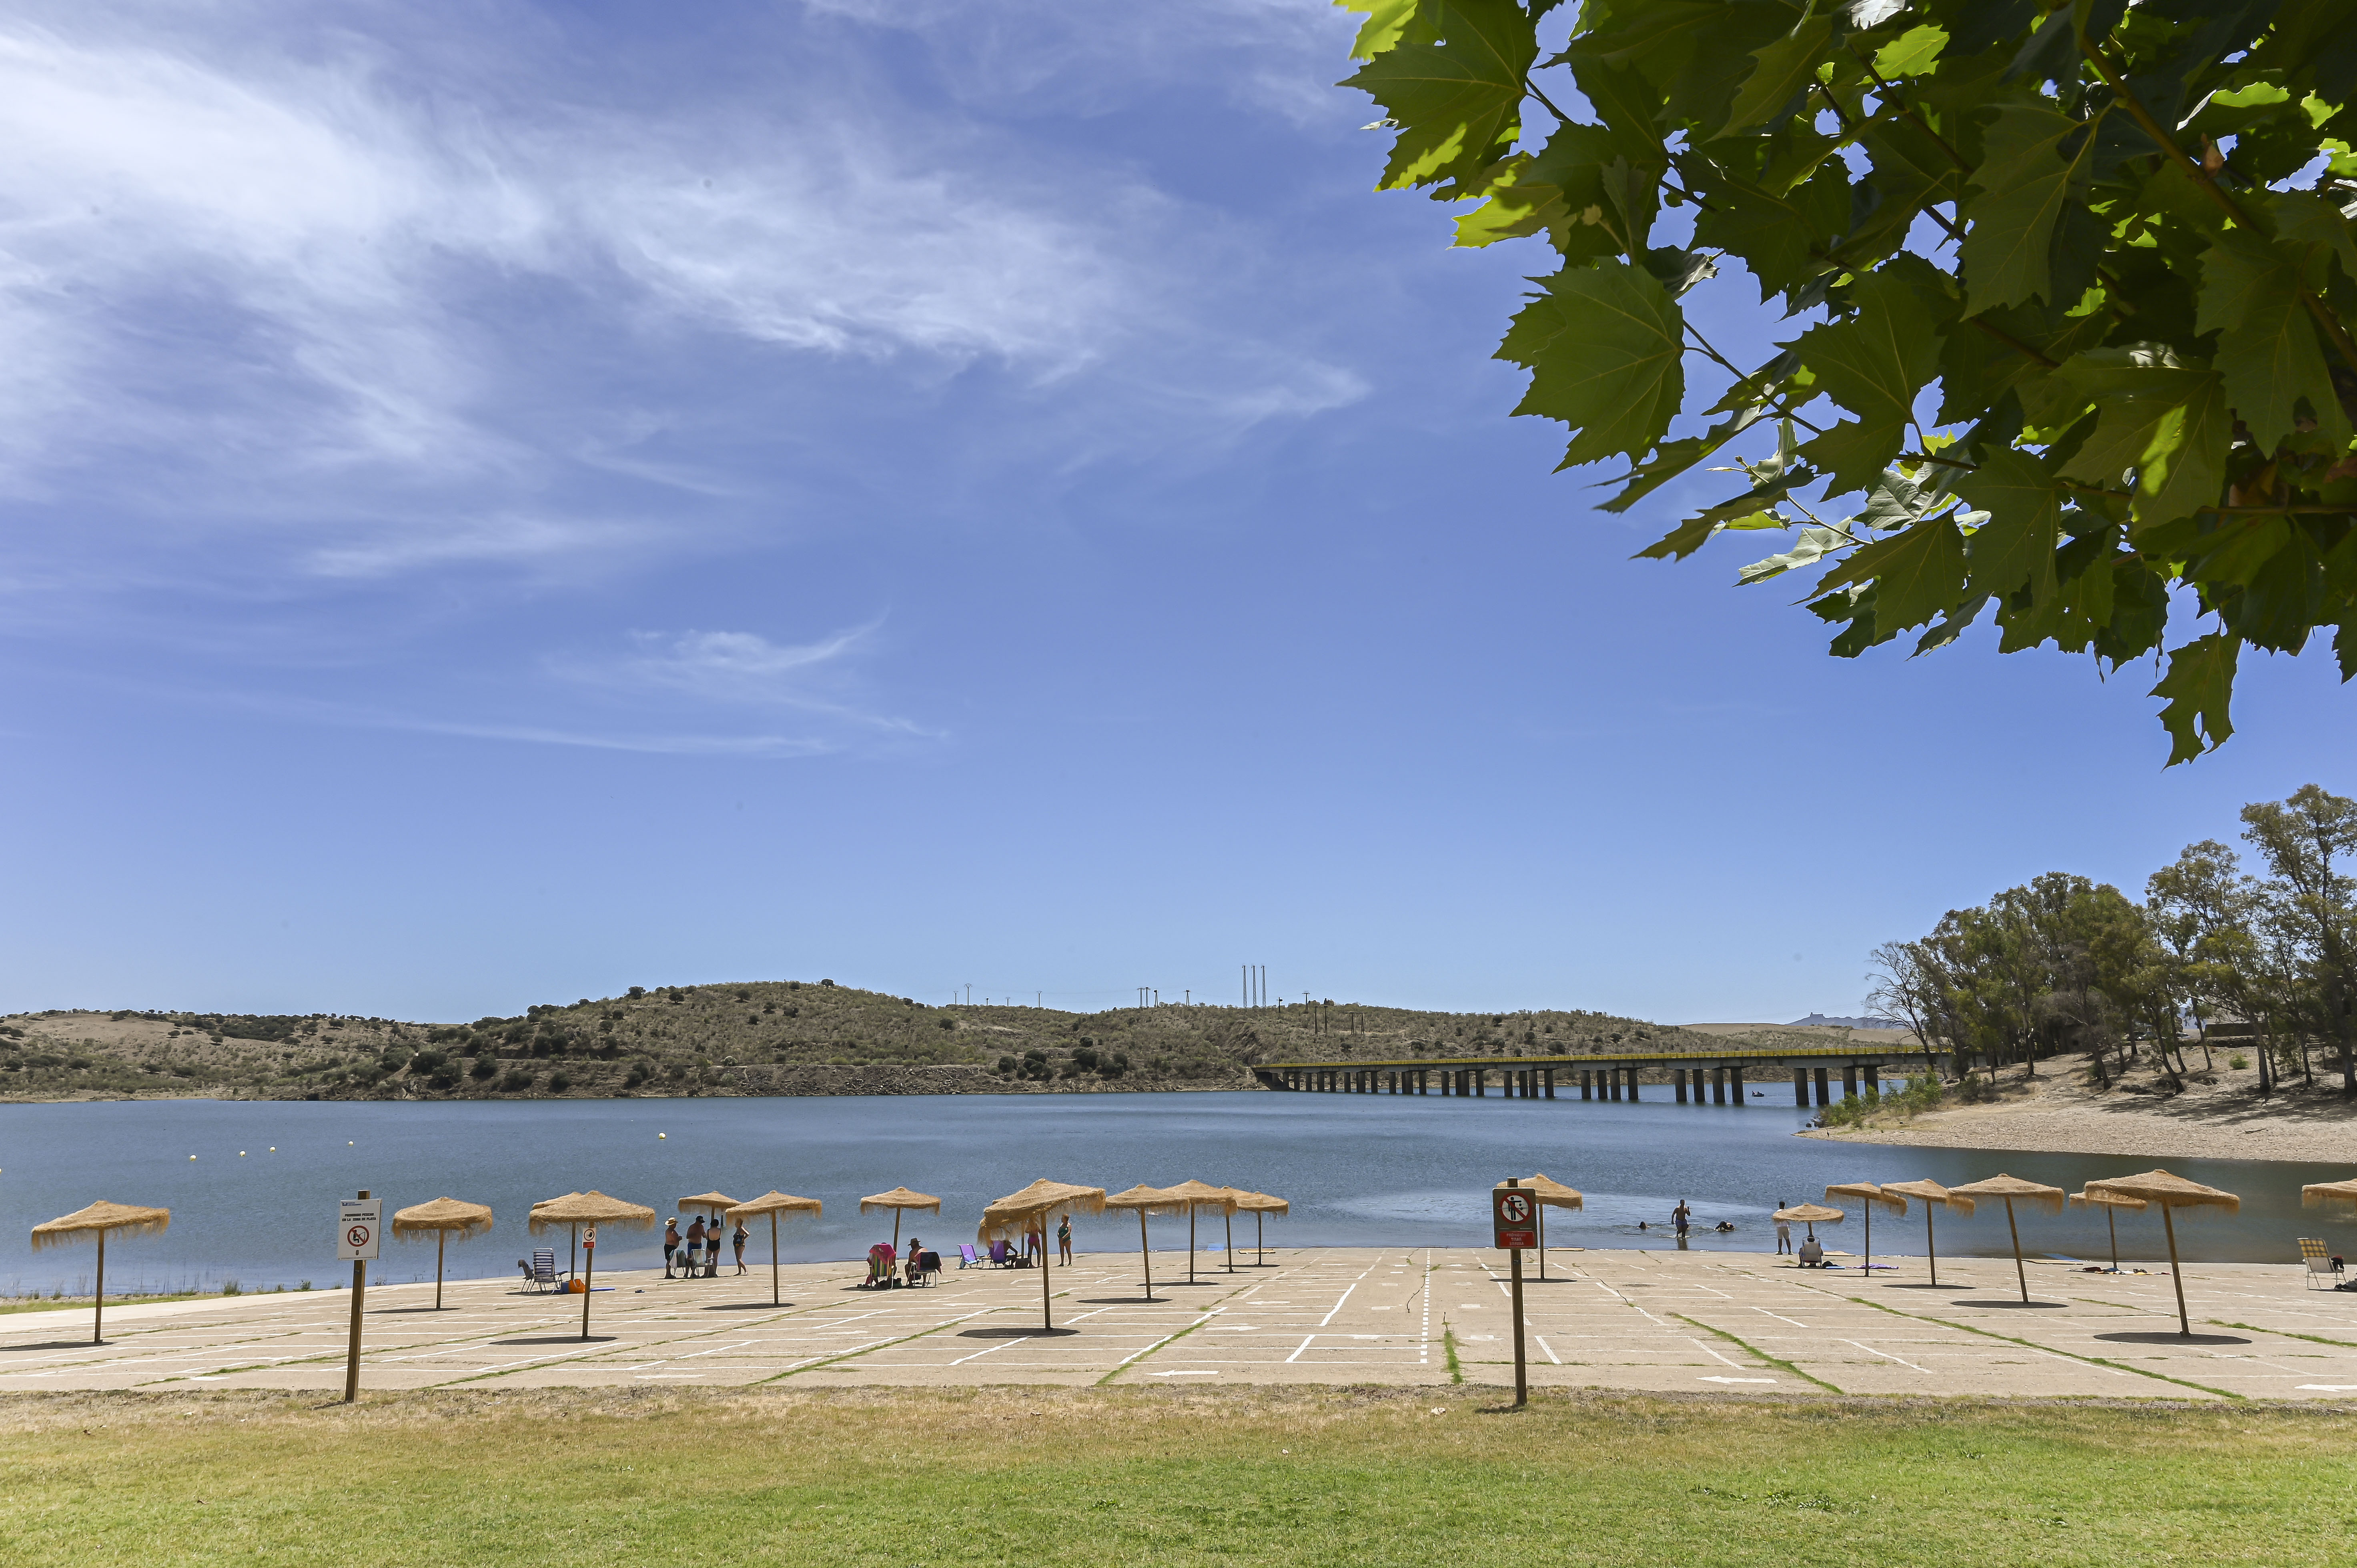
(1064, 1240)
(740, 1235)
(694, 1245)
(1783, 1231)
(671, 1242)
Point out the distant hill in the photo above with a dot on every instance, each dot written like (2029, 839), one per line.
(1819, 1021)
(778, 1037)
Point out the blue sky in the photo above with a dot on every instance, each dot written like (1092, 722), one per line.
(508, 502)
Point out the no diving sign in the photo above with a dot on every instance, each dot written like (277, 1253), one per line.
(1513, 1217)
(357, 1225)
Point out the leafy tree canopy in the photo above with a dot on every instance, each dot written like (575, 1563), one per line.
(2074, 290)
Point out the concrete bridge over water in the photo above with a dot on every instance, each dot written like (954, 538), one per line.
(1715, 1078)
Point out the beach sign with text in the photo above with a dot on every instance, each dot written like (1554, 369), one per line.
(356, 1224)
(1513, 1217)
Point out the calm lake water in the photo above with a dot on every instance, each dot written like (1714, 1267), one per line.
(256, 1204)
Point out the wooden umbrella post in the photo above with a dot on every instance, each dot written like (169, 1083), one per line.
(441, 1241)
(1543, 1240)
(1232, 1240)
(587, 1275)
(1144, 1256)
(2020, 1274)
(98, 1302)
(1930, 1245)
(2176, 1274)
(895, 1233)
(2113, 1221)
(1047, 1307)
(773, 1258)
(1260, 1236)
(1869, 1270)
(1190, 1242)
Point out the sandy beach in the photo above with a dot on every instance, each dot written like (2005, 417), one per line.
(2056, 1113)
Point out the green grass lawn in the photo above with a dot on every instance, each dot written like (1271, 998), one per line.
(81, 1303)
(1340, 1480)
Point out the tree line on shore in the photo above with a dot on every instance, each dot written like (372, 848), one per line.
(2063, 964)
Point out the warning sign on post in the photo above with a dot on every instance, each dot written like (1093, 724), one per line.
(1514, 1218)
(356, 1224)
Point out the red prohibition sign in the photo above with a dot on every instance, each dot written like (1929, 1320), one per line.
(357, 1236)
(1514, 1208)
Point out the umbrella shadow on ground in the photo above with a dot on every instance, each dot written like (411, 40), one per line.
(62, 1345)
(2171, 1336)
(747, 1305)
(1919, 1284)
(564, 1339)
(1121, 1299)
(2008, 1305)
(398, 1311)
(1016, 1332)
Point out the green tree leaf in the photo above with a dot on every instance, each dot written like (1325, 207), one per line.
(2268, 353)
(1872, 364)
(2014, 549)
(1916, 574)
(1604, 349)
(2200, 682)
(1785, 66)
(2015, 200)
(1455, 97)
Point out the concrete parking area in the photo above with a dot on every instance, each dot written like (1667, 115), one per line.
(1650, 1321)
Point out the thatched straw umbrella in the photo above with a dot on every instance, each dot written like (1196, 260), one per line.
(1929, 1193)
(1147, 1201)
(1869, 1197)
(2013, 1189)
(2340, 1193)
(573, 1260)
(1260, 1206)
(719, 1203)
(2169, 1192)
(2111, 1203)
(1812, 1215)
(438, 1219)
(899, 1198)
(592, 1209)
(96, 1220)
(1197, 1195)
(774, 1203)
(1018, 1213)
(1550, 1194)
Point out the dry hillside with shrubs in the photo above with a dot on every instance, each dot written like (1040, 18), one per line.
(787, 1037)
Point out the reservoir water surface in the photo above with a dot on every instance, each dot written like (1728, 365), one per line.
(256, 1204)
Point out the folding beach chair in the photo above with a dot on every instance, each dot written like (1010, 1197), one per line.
(544, 1269)
(967, 1257)
(880, 1260)
(2323, 1268)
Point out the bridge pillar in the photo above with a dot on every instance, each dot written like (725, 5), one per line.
(1849, 1082)
(1480, 1083)
(1734, 1082)
(1617, 1085)
(1550, 1084)
(1719, 1086)
(1873, 1072)
(1678, 1083)
(1633, 1088)
(1588, 1086)
(1822, 1098)
(1800, 1086)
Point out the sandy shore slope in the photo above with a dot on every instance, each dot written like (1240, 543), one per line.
(2057, 1114)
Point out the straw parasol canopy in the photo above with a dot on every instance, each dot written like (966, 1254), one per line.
(1812, 1215)
(1199, 1195)
(773, 1204)
(1144, 1201)
(97, 1220)
(1929, 1193)
(2012, 1189)
(1260, 1206)
(1870, 1197)
(2336, 1193)
(592, 1208)
(2110, 1203)
(2169, 1192)
(719, 1203)
(1018, 1213)
(1550, 1194)
(441, 1219)
(899, 1198)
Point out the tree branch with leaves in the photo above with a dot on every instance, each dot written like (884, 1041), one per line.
(2077, 287)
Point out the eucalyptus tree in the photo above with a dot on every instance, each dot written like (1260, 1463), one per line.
(2070, 291)
(2307, 841)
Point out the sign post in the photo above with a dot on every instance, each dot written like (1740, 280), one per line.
(357, 1224)
(1513, 1224)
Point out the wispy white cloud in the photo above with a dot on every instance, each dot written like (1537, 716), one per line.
(741, 670)
(322, 289)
